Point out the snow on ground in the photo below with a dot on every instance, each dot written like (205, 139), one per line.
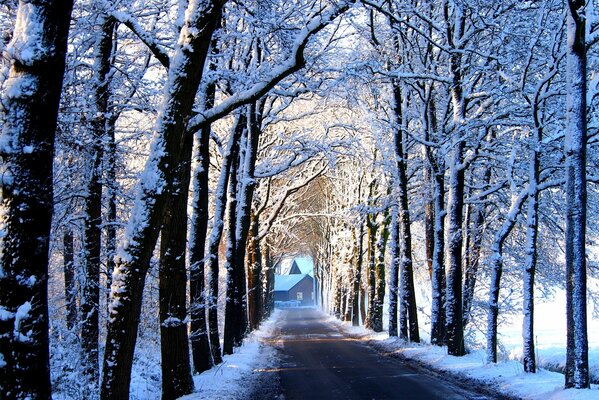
(235, 377)
(507, 377)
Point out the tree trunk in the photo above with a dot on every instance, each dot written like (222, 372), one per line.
(90, 290)
(408, 316)
(215, 237)
(357, 281)
(532, 229)
(231, 309)
(269, 283)
(254, 275)
(174, 342)
(36, 55)
(577, 358)
(394, 275)
(200, 345)
(70, 289)
(377, 318)
(133, 261)
(455, 201)
(371, 252)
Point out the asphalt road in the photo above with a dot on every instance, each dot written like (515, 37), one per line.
(318, 362)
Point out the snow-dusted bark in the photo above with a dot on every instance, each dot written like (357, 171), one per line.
(232, 289)
(455, 196)
(438, 273)
(218, 221)
(528, 281)
(577, 364)
(174, 341)
(381, 248)
(371, 232)
(255, 286)
(30, 99)
(200, 345)
(92, 231)
(394, 274)
(70, 289)
(133, 260)
(408, 316)
(357, 259)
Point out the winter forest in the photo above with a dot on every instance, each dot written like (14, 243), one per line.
(436, 160)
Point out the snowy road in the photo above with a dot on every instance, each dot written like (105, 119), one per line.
(318, 362)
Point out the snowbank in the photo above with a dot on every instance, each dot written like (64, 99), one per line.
(235, 377)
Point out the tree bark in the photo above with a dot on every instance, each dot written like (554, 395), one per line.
(577, 362)
(92, 231)
(394, 275)
(255, 308)
(216, 234)
(70, 289)
(357, 278)
(200, 345)
(371, 252)
(30, 105)
(133, 261)
(174, 341)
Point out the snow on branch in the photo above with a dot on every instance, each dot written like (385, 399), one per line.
(147, 39)
(294, 63)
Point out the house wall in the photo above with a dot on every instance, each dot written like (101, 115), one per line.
(281, 295)
(306, 287)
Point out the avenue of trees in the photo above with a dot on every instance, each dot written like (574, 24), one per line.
(435, 159)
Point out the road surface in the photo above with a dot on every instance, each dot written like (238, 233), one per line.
(318, 362)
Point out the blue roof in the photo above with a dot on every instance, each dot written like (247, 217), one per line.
(284, 283)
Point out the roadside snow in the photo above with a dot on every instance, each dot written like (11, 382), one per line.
(506, 377)
(235, 377)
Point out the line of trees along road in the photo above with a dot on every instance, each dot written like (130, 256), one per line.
(413, 149)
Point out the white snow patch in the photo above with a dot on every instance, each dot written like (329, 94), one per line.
(235, 377)
(5, 315)
(21, 314)
(27, 43)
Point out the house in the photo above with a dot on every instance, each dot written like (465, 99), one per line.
(296, 289)
(294, 283)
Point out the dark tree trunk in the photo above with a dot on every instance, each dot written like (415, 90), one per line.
(408, 315)
(200, 345)
(70, 289)
(174, 342)
(377, 318)
(357, 281)
(394, 276)
(231, 315)
(154, 189)
(269, 283)
(215, 237)
(30, 107)
(577, 357)
(532, 230)
(438, 279)
(90, 290)
(111, 198)
(371, 252)
(244, 194)
(254, 275)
